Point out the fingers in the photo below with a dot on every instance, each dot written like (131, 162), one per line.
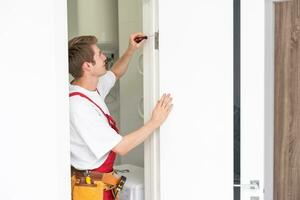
(165, 101)
(135, 35)
(162, 109)
(168, 102)
(170, 108)
(141, 43)
(135, 39)
(162, 99)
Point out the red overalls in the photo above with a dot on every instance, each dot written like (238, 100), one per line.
(108, 164)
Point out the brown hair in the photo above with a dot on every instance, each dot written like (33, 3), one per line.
(80, 51)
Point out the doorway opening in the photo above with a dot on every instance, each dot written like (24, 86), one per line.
(112, 22)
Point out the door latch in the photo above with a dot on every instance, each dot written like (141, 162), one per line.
(254, 185)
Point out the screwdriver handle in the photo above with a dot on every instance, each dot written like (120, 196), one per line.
(138, 39)
(88, 180)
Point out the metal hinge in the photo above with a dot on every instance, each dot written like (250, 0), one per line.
(156, 41)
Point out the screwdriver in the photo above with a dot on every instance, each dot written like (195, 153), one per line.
(138, 39)
(88, 180)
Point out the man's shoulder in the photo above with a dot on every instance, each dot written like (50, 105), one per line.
(78, 103)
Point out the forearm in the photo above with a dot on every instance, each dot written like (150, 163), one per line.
(121, 66)
(135, 138)
(159, 115)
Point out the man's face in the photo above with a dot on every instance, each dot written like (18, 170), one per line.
(98, 69)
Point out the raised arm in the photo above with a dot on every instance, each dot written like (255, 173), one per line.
(121, 66)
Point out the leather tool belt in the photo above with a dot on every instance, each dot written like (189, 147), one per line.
(90, 185)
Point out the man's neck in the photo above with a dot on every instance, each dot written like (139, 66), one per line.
(89, 83)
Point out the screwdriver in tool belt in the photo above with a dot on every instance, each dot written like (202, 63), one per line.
(88, 180)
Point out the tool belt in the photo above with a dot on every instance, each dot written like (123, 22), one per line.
(91, 185)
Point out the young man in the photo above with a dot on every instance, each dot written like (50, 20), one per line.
(95, 141)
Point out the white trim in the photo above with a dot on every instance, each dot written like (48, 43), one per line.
(60, 34)
(151, 95)
(269, 96)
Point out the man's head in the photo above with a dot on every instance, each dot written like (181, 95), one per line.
(85, 58)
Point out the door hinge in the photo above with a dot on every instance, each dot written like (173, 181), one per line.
(156, 41)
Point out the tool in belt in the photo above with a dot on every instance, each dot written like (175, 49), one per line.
(112, 180)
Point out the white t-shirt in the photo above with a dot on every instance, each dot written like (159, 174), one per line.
(91, 136)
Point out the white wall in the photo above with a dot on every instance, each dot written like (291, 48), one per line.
(131, 84)
(34, 148)
(196, 67)
(94, 17)
(72, 6)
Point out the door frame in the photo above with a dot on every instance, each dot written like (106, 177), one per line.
(269, 97)
(151, 95)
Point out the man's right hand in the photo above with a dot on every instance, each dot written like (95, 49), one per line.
(162, 110)
(159, 115)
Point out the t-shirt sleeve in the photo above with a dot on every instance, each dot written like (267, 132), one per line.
(93, 128)
(106, 82)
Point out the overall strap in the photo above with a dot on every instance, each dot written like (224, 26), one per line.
(84, 96)
(111, 121)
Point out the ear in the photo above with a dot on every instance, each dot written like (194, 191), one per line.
(86, 67)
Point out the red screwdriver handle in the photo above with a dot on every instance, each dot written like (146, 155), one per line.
(138, 39)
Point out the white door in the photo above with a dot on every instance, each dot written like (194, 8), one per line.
(196, 67)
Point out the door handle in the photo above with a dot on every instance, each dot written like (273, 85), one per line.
(253, 185)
